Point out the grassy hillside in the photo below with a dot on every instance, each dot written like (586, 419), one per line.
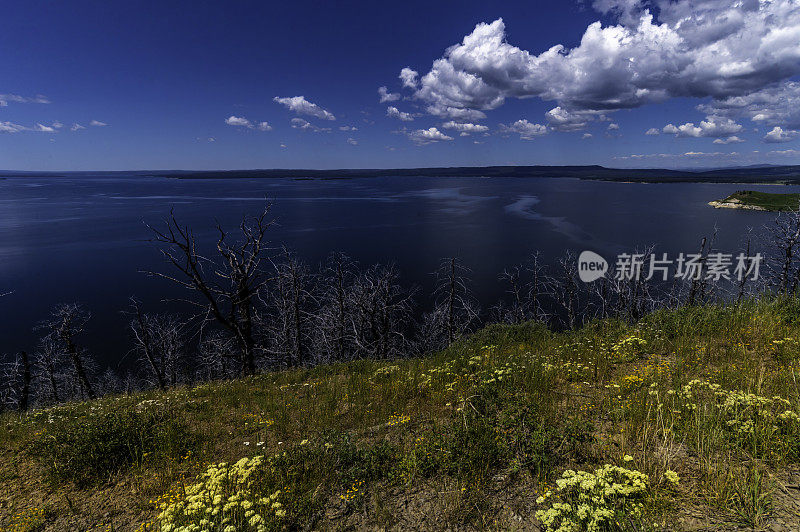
(686, 420)
(765, 201)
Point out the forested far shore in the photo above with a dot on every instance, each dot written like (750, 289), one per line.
(761, 174)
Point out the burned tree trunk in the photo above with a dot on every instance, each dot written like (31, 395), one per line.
(141, 329)
(229, 288)
(68, 320)
(25, 391)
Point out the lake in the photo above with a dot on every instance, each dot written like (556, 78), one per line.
(65, 239)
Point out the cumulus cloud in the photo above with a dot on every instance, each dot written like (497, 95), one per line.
(776, 105)
(465, 128)
(455, 113)
(560, 119)
(352, 141)
(299, 123)
(410, 78)
(778, 134)
(5, 99)
(586, 136)
(43, 129)
(240, 121)
(97, 123)
(712, 126)
(394, 112)
(652, 131)
(348, 128)
(387, 96)
(76, 126)
(613, 127)
(427, 136)
(733, 139)
(680, 48)
(526, 130)
(300, 105)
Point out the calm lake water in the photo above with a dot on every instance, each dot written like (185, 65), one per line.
(65, 239)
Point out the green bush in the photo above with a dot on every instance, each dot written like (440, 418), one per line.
(91, 448)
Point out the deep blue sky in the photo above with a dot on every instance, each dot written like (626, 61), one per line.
(165, 76)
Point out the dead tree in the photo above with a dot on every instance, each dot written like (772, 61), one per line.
(455, 306)
(48, 360)
(159, 342)
(65, 323)
(15, 386)
(291, 301)
(567, 291)
(381, 311)
(526, 291)
(216, 357)
(229, 287)
(742, 280)
(783, 242)
(25, 391)
(333, 337)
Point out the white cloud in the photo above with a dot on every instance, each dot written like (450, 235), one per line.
(300, 105)
(299, 123)
(613, 127)
(10, 127)
(348, 128)
(387, 96)
(733, 139)
(15, 98)
(784, 152)
(586, 136)
(97, 123)
(57, 124)
(76, 126)
(394, 112)
(238, 121)
(679, 48)
(409, 77)
(688, 154)
(427, 136)
(455, 113)
(778, 134)
(526, 130)
(776, 105)
(560, 119)
(652, 131)
(465, 128)
(352, 141)
(712, 126)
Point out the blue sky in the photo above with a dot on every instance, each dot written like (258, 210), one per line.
(212, 85)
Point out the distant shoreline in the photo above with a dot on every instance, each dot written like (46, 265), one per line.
(769, 175)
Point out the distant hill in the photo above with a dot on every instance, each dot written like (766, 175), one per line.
(788, 174)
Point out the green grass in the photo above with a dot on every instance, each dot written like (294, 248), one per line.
(466, 438)
(765, 200)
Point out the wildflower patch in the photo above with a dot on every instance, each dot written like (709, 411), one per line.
(609, 499)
